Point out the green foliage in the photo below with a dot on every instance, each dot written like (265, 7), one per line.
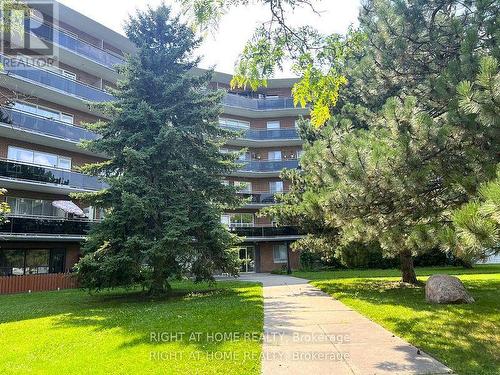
(408, 141)
(474, 234)
(4, 207)
(164, 169)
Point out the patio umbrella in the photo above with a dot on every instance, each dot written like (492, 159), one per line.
(69, 207)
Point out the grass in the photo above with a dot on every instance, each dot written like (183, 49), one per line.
(72, 332)
(464, 337)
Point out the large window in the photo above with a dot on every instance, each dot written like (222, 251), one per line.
(276, 186)
(243, 186)
(273, 125)
(280, 253)
(31, 262)
(274, 155)
(38, 158)
(238, 220)
(232, 123)
(33, 207)
(45, 112)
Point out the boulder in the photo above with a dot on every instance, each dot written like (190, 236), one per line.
(446, 289)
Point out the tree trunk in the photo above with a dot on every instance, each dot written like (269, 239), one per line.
(159, 285)
(407, 269)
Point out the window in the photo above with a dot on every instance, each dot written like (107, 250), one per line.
(276, 186)
(274, 155)
(66, 117)
(45, 112)
(68, 74)
(37, 262)
(243, 186)
(238, 220)
(272, 125)
(245, 157)
(280, 253)
(232, 123)
(30, 262)
(226, 220)
(11, 262)
(38, 158)
(33, 207)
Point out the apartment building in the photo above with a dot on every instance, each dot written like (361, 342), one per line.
(43, 109)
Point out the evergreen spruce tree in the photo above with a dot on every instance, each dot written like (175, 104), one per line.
(164, 168)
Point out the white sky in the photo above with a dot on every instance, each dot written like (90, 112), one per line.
(221, 49)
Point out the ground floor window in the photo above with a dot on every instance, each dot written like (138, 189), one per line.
(280, 253)
(31, 261)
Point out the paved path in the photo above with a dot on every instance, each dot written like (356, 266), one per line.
(309, 332)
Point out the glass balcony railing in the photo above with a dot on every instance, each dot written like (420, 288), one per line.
(36, 173)
(265, 135)
(47, 126)
(264, 231)
(54, 80)
(269, 104)
(73, 44)
(269, 166)
(259, 198)
(35, 225)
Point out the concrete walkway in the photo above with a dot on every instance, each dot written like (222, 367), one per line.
(309, 332)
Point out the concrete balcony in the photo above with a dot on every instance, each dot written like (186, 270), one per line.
(265, 168)
(264, 137)
(44, 228)
(259, 199)
(69, 42)
(254, 107)
(266, 233)
(47, 126)
(48, 79)
(25, 176)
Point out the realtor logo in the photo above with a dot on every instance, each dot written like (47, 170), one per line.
(27, 28)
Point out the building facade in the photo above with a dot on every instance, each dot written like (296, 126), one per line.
(43, 109)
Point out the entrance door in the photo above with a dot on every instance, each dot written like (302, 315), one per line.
(247, 257)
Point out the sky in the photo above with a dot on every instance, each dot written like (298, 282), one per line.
(221, 48)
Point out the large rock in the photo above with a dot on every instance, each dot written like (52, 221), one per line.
(446, 289)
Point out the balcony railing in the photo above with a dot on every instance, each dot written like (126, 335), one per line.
(47, 78)
(265, 135)
(269, 104)
(265, 231)
(259, 198)
(47, 126)
(268, 166)
(48, 175)
(36, 225)
(73, 44)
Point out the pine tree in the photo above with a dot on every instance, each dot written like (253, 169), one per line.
(164, 168)
(400, 153)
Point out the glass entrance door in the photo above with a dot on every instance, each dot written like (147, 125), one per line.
(247, 257)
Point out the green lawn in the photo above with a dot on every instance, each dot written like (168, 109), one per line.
(72, 332)
(464, 337)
